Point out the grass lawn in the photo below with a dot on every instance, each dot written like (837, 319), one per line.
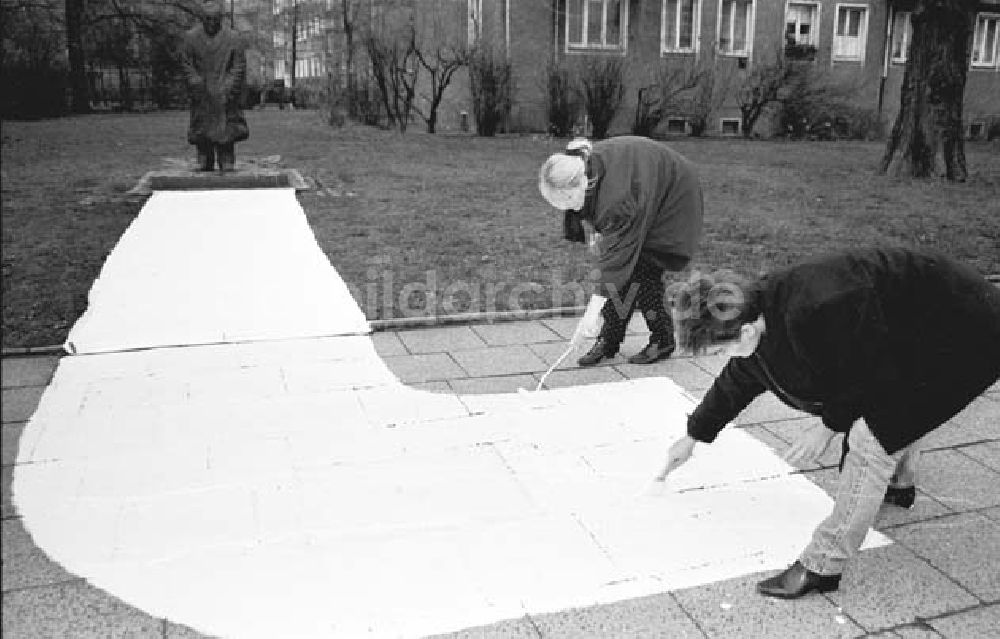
(456, 214)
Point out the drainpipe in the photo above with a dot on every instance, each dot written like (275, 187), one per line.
(506, 26)
(555, 30)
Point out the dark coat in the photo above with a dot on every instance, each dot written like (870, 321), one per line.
(901, 338)
(647, 201)
(215, 70)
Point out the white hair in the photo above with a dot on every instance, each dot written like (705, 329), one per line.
(562, 181)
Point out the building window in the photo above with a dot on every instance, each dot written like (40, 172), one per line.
(984, 42)
(735, 27)
(730, 126)
(801, 30)
(676, 126)
(902, 31)
(596, 24)
(850, 32)
(679, 25)
(475, 21)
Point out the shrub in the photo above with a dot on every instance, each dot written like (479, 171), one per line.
(33, 92)
(603, 82)
(817, 109)
(492, 88)
(563, 99)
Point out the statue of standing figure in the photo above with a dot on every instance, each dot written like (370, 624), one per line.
(215, 65)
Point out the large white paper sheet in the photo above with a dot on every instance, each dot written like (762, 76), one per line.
(280, 484)
(297, 489)
(203, 267)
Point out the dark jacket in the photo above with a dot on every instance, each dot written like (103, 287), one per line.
(647, 201)
(901, 338)
(215, 71)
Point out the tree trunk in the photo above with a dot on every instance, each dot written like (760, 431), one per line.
(352, 87)
(79, 89)
(295, 51)
(926, 139)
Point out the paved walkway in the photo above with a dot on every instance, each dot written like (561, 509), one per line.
(940, 578)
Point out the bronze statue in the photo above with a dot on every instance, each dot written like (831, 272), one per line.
(214, 62)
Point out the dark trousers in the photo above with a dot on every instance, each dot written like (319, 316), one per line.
(648, 296)
(208, 153)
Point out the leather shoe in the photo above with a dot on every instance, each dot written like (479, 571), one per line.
(601, 350)
(797, 581)
(653, 352)
(902, 497)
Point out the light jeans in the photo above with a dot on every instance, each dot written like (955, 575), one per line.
(868, 471)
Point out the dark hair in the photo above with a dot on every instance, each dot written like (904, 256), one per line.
(708, 309)
(573, 227)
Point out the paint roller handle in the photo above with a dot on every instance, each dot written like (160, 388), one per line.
(590, 325)
(678, 453)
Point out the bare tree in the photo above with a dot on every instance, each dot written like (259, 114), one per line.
(79, 90)
(759, 89)
(603, 82)
(928, 129)
(657, 98)
(393, 58)
(441, 63)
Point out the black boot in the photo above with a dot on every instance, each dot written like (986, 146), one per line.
(902, 497)
(797, 581)
(654, 352)
(601, 350)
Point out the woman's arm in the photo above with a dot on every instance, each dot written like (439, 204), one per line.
(733, 390)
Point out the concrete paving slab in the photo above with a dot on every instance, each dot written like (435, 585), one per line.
(991, 513)
(76, 610)
(24, 565)
(388, 344)
(19, 404)
(955, 433)
(11, 439)
(984, 415)
(891, 586)
(550, 352)
(412, 369)
(582, 376)
(971, 624)
(711, 364)
(682, 371)
(508, 333)
(27, 371)
(441, 386)
(918, 631)
(733, 609)
(440, 339)
(562, 326)
(655, 616)
(761, 434)
(957, 481)
(987, 454)
(924, 507)
(521, 628)
(965, 547)
(498, 384)
(499, 360)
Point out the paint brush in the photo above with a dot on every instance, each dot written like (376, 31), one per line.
(569, 349)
